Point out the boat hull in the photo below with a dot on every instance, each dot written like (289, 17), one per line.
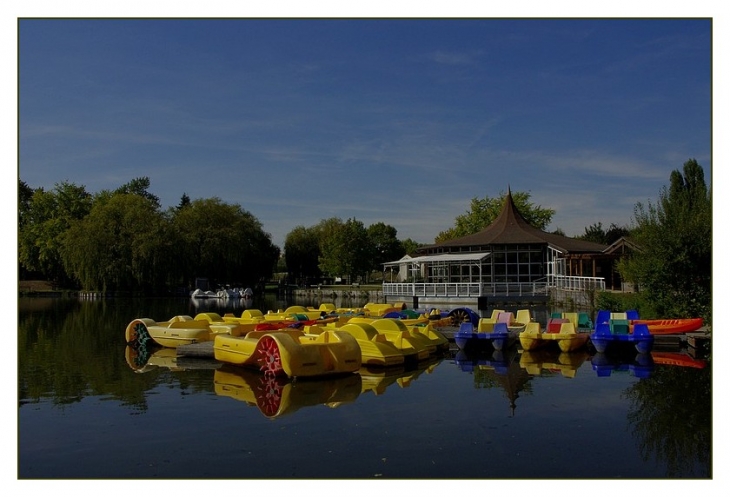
(180, 330)
(291, 352)
(669, 326)
(499, 338)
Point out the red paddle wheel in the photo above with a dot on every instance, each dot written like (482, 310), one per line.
(269, 357)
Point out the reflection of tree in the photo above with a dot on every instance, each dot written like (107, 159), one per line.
(512, 381)
(68, 350)
(671, 414)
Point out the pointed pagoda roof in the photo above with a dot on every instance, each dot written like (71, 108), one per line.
(510, 228)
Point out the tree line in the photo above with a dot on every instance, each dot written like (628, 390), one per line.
(122, 240)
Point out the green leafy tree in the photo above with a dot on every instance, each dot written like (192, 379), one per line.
(140, 186)
(345, 249)
(222, 242)
(595, 233)
(484, 211)
(385, 244)
(123, 244)
(301, 252)
(674, 267)
(45, 218)
(410, 246)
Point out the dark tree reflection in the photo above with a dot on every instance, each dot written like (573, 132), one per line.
(670, 414)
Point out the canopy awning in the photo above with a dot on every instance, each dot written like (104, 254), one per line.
(466, 257)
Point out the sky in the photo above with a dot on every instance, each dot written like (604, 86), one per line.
(400, 121)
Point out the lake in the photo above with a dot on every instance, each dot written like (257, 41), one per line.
(89, 409)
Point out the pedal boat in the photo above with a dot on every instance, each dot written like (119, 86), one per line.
(379, 310)
(668, 326)
(581, 321)
(290, 352)
(375, 348)
(559, 331)
(180, 330)
(613, 328)
(487, 333)
(413, 346)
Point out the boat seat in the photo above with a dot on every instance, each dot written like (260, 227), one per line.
(524, 316)
(505, 317)
(251, 314)
(554, 325)
(567, 328)
(632, 315)
(466, 327)
(572, 317)
(620, 326)
(584, 320)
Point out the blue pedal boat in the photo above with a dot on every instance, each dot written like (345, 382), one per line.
(612, 329)
(495, 335)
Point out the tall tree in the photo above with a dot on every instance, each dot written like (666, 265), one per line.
(223, 242)
(674, 267)
(345, 250)
(49, 214)
(123, 244)
(385, 244)
(484, 211)
(301, 253)
(140, 186)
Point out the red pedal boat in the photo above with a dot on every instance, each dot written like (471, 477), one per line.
(668, 326)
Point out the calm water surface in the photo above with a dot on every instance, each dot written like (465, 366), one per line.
(87, 408)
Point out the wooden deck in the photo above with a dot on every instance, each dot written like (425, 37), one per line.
(203, 350)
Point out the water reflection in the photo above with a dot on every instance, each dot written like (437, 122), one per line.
(73, 366)
(639, 365)
(496, 369)
(276, 397)
(552, 362)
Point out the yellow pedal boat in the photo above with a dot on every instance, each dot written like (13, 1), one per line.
(291, 352)
(413, 345)
(562, 333)
(180, 330)
(375, 348)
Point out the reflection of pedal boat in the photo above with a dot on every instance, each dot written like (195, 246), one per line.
(565, 363)
(142, 360)
(377, 380)
(560, 331)
(613, 328)
(180, 330)
(276, 396)
(496, 360)
(641, 366)
(677, 359)
(290, 352)
(413, 345)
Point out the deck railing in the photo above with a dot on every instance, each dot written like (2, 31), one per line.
(571, 283)
(463, 289)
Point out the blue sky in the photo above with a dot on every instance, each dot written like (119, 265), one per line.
(399, 121)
